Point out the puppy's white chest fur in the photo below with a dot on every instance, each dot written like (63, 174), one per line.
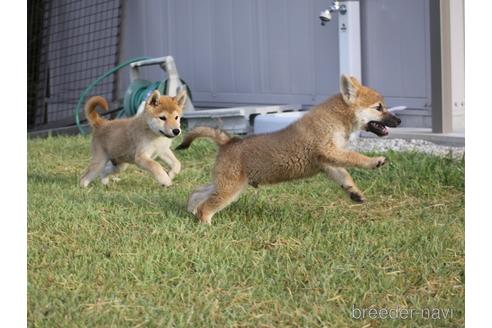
(157, 146)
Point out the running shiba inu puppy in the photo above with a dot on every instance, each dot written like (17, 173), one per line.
(135, 140)
(313, 144)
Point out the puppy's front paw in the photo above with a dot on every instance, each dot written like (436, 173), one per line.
(166, 184)
(175, 169)
(172, 174)
(356, 197)
(84, 183)
(164, 180)
(377, 162)
(203, 220)
(191, 209)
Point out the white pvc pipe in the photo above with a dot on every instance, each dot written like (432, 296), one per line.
(349, 41)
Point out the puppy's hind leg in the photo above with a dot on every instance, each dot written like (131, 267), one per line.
(111, 169)
(198, 196)
(99, 159)
(220, 197)
(96, 166)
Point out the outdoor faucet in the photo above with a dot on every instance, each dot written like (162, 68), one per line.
(325, 15)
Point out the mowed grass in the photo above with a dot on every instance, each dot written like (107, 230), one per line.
(294, 254)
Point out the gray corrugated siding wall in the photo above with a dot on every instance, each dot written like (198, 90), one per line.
(275, 51)
(396, 49)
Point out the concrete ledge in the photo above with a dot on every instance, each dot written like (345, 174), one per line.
(448, 139)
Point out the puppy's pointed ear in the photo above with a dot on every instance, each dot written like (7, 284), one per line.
(181, 98)
(349, 88)
(153, 100)
(356, 82)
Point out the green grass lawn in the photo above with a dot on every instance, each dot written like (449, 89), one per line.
(294, 254)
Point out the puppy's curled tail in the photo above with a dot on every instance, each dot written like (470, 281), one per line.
(220, 137)
(90, 110)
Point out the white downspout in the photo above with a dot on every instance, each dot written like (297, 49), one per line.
(349, 40)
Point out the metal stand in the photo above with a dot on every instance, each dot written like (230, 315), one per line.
(173, 85)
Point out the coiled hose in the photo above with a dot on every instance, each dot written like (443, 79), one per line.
(138, 93)
(84, 93)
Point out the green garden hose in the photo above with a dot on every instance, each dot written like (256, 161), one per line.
(134, 95)
(95, 82)
(139, 90)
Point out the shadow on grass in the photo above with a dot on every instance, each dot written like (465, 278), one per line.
(58, 179)
(123, 194)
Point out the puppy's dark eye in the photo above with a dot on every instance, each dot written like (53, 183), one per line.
(176, 118)
(380, 107)
(163, 118)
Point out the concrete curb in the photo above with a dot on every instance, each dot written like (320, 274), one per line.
(447, 139)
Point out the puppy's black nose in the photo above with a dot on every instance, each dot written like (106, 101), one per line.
(176, 131)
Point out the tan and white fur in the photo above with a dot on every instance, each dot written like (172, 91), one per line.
(137, 140)
(313, 144)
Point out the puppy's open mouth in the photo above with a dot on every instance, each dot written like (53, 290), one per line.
(377, 128)
(165, 135)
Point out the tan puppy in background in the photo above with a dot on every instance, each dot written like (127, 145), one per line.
(315, 143)
(137, 140)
